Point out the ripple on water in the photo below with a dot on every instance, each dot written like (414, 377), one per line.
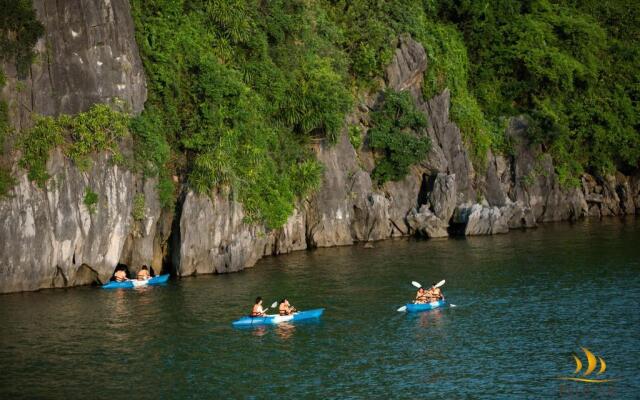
(525, 302)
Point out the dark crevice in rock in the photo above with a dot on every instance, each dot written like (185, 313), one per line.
(171, 259)
(59, 279)
(425, 189)
(402, 231)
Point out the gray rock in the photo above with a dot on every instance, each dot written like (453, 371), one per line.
(442, 197)
(606, 196)
(50, 238)
(520, 216)
(147, 241)
(634, 186)
(535, 183)
(403, 196)
(610, 201)
(370, 210)
(406, 71)
(482, 220)
(329, 210)
(215, 238)
(290, 237)
(426, 223)
(88, 55)
(446, 136)
(497, 183)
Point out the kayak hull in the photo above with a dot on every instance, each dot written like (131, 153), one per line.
(276, 319)
(134, 283)
(412, 307)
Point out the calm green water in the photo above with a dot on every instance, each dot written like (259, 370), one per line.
(525, 302)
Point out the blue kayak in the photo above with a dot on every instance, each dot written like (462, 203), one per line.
(412, 307)
(276, 319)
(134, 283)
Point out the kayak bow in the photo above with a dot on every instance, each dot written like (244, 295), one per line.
(133, 283)
(276, 319)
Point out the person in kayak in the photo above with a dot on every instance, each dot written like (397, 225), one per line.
(436, 293)
(285, 308)
(257, 310)
(120, 275)
(143, 274)
(421, 296)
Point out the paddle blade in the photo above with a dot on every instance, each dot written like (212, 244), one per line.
(402, 309)
(416, 284)
(440, 283)
(274, 305)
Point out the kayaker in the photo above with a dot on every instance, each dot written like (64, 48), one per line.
(285, 308)
(120, 275)
(257, 310)
(436, 293)
(421, 296)
(143, 274)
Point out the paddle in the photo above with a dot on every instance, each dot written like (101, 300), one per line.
(418, 285)
(273, 305)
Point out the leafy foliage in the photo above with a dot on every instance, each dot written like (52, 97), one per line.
(139, 205)
(19, 31)
(98, 129)
(355, 136)
(6, 181)
(237, 87)
(90, 200)
(570, 66)
(395, 132)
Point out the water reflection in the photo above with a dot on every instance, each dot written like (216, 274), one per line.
(180, 343)
(285, 330)
(432, 318)
(259, 330)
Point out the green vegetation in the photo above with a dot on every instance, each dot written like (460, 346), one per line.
(90, 200)
(355, 136)
(139, 206)
(19, 31)
(238, 88)
(396, 133)
(571, 66)
(6, 181)
(81, 135)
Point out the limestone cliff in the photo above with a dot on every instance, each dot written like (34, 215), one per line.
(88, 55)
(51, 238)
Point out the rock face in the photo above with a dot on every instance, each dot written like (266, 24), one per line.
(215, 239)
(426, 223)
(88, 55)
(50, 238)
